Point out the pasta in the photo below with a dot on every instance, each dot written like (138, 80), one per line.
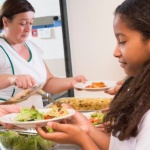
(86, 103)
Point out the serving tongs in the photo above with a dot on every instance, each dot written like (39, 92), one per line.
(24, 95)
(45, 95)
(20, 131)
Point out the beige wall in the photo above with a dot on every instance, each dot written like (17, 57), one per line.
(92, 39)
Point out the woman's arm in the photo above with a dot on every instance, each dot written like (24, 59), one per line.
(21, 81)
(6, 81)
(56, 85)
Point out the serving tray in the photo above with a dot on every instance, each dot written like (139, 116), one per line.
(85, 104)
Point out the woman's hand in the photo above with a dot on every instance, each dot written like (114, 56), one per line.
(7, 109)
(77, 79)
(22, 81)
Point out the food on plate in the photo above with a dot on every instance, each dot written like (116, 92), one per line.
(86, 103)
(29, 114)
(96, 85)
(97, 118)
(12, 140)
(56, 112)
(32, 114)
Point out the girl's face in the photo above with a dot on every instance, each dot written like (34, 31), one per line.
(131, 50)
(18, 29)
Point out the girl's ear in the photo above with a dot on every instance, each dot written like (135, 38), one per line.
(5, 21)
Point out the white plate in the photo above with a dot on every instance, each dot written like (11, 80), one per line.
(87, 114)
(82, 86)
(32, 124)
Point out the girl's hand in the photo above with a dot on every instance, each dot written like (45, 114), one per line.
(79, 119)
(63, 133)
(68, 132)
(78, 130)
(116, 88)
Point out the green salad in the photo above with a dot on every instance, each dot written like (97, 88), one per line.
(32, 114)
(29, 114)
(11, 140)
(97, 118)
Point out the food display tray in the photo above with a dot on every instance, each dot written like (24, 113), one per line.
(85, 104)
(23, 140)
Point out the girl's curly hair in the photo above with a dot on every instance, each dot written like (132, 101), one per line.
(129, 105)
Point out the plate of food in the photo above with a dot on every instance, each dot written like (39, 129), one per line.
(30, 117)
(95, 85)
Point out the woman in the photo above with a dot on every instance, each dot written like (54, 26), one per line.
(129, 112)
(21, 62)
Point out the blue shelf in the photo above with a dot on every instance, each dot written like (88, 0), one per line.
(55, 24)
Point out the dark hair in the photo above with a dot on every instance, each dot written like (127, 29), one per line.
(135, 13)
(13, 7)
(129, 105)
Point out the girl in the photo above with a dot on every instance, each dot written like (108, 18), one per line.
(129, 112)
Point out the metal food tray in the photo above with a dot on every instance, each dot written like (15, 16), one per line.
(66, 147)
(11, 142)
(34, 133)
(85, 104)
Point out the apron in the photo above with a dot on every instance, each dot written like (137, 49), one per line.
(12, 63)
